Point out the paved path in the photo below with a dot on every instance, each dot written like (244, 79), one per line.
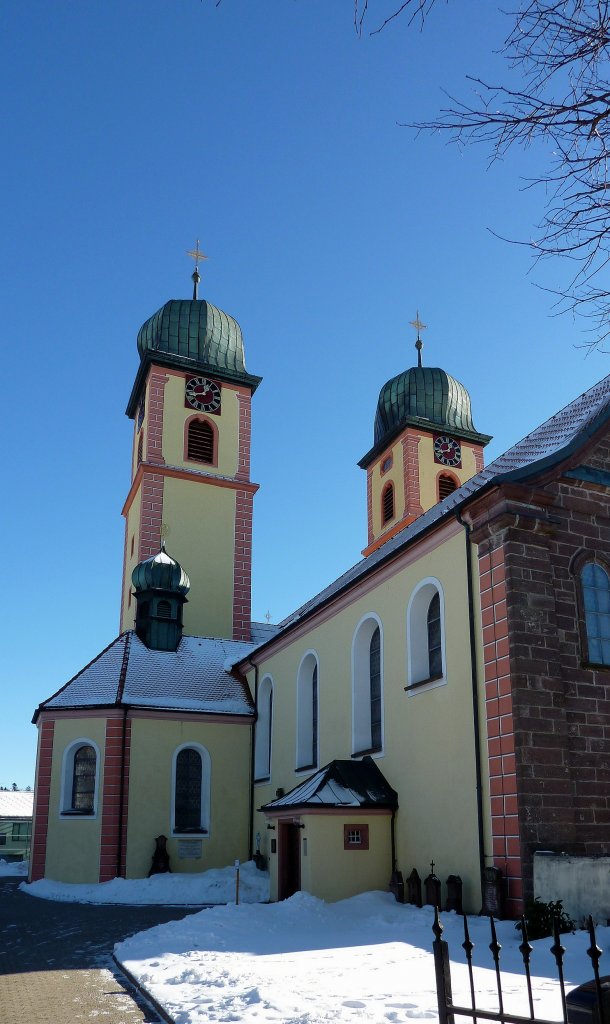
(55, 965)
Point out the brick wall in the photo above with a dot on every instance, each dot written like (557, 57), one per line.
(111, 799)
(41, 800)
(559, 707)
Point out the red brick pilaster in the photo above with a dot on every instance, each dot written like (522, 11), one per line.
(244, 436)
(154, 417)
(500, 727)
(111, 799)
(151, 514)
(479, 459)
(41, 800)
(410, 465)
(369, 503)
(242, 565)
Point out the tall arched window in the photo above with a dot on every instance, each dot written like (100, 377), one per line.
(83, 779)
(425, 635)
(200, 441)
(191, 790)
(307, 712)
(367, 688)
(264, 721)
(79, 778)
(387, 503)
(595, 586)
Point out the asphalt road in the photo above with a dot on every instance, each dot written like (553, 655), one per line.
(55, 959)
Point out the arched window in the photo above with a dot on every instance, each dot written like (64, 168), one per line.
(446, 486)
(387, 503)
(595, 586)
(307, 713)
(83, 779)
(425, 635)
(367, 688)
(200, 441)
(191, 790)
(79, 779)
(262, 742)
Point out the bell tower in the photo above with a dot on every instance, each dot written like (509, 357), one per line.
(190, 467)
(425, 447)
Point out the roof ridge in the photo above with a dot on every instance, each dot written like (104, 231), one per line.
(123, 672)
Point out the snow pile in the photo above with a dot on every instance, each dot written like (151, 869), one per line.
(214, 886)
(306, 962)
(13, 868)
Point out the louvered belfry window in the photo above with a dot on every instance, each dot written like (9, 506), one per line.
(387, 503)
(446, 486)
(83, 780)
(200, 445)
(188, 791)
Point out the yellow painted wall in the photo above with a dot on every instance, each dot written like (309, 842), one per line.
(131, 560)
(73, 844)
(175, 415)
(153, 743)
(201, 521)
(429, 470)
(428, 736)
(327, 869)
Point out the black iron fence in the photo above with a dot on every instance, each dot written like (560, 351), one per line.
(589, 1003)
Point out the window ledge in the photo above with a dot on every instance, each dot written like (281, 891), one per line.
(369, 750)
(595, 666)
(263, 778)
(180, 832)
(77, 814)
(306, 768)
(430, 682)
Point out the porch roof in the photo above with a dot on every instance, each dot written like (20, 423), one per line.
(340, 784)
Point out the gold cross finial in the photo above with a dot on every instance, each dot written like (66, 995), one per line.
(196, 255)
(419, 326)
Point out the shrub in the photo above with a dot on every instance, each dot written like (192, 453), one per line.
(539, 918)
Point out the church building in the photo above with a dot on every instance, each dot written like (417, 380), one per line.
(445, 700)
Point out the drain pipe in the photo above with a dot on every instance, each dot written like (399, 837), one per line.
(475, 698)
(252, 752)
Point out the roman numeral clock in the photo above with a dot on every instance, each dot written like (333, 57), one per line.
(202, 394)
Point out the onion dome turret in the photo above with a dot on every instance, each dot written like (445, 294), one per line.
(161, 586)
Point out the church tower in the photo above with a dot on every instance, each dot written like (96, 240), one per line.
(190, 469)
(425, 447)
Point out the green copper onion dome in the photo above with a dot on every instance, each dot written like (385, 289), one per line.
(424, 395)
(196, 330)
(161, 572)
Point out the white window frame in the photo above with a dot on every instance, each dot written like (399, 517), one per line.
(418, 664)
(361, 685)
(67, 779)
(304, 702)
(263, 730)
(206, 791)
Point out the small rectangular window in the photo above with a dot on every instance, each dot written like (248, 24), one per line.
(355, 837)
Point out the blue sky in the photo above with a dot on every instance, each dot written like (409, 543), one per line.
(272, 132)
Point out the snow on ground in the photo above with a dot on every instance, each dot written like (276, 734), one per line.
(214, 886)
(306, 962)
(10, 868)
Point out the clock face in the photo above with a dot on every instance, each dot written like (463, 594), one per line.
(202, 393)
(447, 451)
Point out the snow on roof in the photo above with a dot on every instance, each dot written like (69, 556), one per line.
(261, 631)
(16, 804)
(341, 784)
(193, 678)
(552, 441)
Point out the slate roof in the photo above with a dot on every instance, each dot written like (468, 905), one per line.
(196, 677)
(16, 804)
(549, 444)
(341, 784)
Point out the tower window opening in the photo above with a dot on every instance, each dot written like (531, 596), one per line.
(200, 445)
(446, 486)
(387, 504)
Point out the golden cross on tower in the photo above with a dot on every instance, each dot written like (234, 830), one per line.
(419, 326)
(196, 255)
